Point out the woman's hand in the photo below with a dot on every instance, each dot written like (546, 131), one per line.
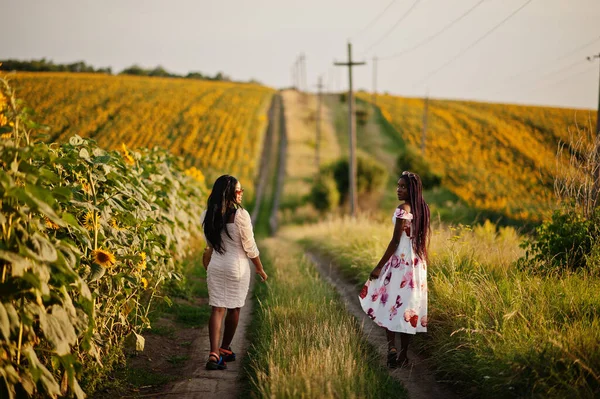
(206, 257)
(375, 273)
(262, 274)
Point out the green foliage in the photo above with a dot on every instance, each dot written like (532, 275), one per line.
(497, 332)
(412, 161)
(371, 175)
(568, 241)
(44, 65)
(324, 195)
(87, 237)
(305, 344)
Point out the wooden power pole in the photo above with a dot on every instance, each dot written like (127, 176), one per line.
(351, 132)
(318, 120)
(424, 133)
(374, 80)
(596, 189)
(302, 60)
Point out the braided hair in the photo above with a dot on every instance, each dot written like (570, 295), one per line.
(420, 212)
(220, 206)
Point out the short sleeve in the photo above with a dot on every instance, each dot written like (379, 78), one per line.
(242, 220)
(402, 214)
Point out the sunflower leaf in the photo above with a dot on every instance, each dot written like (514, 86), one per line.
(97, 272)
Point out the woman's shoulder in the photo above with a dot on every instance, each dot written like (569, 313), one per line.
(405, 206)
(242, 215)
(403, 212)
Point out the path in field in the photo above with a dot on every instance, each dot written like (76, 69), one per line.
(198, 382)
(419, 380)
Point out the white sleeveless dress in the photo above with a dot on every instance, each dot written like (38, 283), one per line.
(228, 274)
(397, 300)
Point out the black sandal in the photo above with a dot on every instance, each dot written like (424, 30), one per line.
(392, 358)
(215, 362)
(227, 354)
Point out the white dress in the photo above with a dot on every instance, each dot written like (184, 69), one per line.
(397, 300)
(228, 274)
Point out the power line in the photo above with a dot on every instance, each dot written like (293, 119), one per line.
(430, 38)
(578, 48)
(547, 75)
(398, 22)
(489, 32)
(534, 89)
(560, 58)
(370, 24)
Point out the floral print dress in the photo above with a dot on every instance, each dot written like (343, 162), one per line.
(397, 300)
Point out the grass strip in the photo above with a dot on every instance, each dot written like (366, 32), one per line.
(495, 330)
(303, 341)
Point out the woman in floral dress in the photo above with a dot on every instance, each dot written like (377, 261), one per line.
(395, 296)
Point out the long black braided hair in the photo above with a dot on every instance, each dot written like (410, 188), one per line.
(220, 206)
(421, 230)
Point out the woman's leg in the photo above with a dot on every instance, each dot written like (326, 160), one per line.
(214, 327)
(392, 352)
(404, 341)
(231, 323)
(391, 338)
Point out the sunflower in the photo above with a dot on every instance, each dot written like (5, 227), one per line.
(3, 101)
(195, 173)
(142, 264)
(103, 258)
(90, 221)
(50, 224)
(115, 225)
(85, 186)
(129, 160)
(144, 282)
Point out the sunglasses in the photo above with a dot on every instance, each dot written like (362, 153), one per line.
(241, 190)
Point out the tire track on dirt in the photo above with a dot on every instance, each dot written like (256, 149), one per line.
(419, 380)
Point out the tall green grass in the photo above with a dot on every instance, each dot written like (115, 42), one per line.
(304, 343)
(494, 330)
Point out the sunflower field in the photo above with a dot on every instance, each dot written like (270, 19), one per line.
(215, 126)
(496, 157)
(87, 237)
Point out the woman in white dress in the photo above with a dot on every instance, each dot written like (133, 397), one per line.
(395, 296)
(230, 243)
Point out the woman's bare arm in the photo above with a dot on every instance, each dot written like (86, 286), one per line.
(259, 268)
(206, 256)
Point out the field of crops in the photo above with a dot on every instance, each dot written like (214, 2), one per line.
(215, 126)
(496, 157)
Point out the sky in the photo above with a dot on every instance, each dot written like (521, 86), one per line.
(511, 51)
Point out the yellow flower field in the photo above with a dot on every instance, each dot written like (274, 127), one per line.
(215, 126)
(496, 157)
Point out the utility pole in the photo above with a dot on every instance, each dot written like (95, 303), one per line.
(351, 132)
(302, 74)
(318, 120)
(374, 80)
(424, 133)
(596, 190)
(296, 69)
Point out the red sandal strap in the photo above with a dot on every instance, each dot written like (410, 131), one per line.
(225, 351)
(215, 355)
